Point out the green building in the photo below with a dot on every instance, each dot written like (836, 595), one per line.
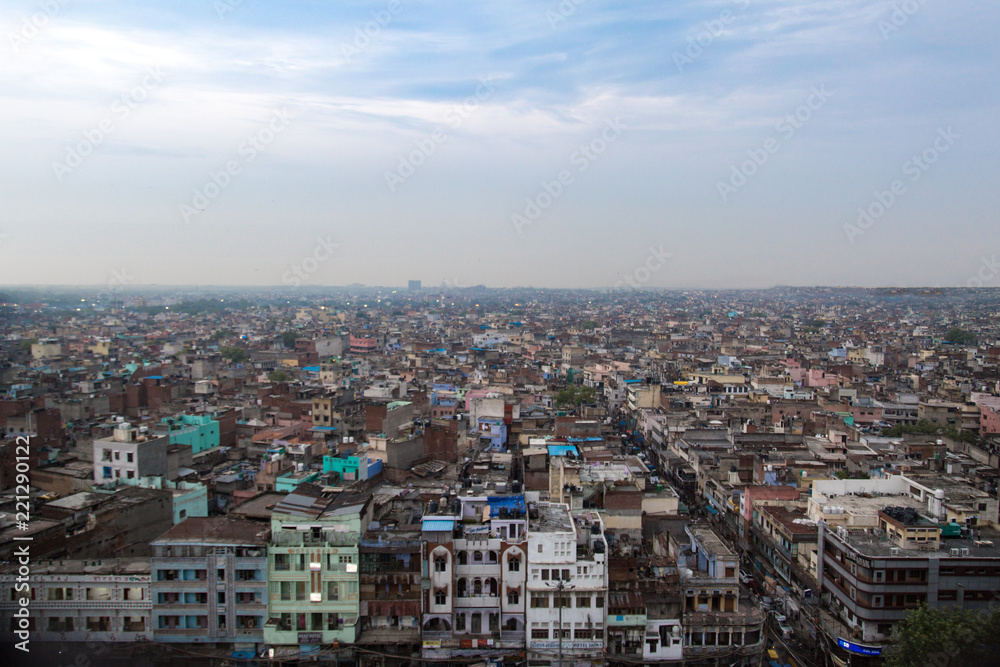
(313, 559)
(199, 431)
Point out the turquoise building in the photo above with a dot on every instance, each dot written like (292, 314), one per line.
(201, 432)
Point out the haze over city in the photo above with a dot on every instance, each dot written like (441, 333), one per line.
(572, 144)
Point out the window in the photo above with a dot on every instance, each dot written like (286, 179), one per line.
(440, 598)
(545, 575)
(583, 633)
(539, 601)
(477, 556)
(513, 597)
(565, 575)
(333, 591)
(582, 601)
(514, 565)
(460, 622)
(221, 597)
(129, 456)
(440, 564)
(540, 548)
(539, 633)
(599, 602)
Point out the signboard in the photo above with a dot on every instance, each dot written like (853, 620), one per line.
(432, 643)
(858, 648)
(567, 645)
(310, 637)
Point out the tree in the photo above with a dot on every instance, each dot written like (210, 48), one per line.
(288, 338)
(958, 336)
(279, 376)
(949, 636)
(234, 353)
(574, 395)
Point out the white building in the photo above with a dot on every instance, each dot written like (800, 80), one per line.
(130, 453)
(76, 600)
(567, 584)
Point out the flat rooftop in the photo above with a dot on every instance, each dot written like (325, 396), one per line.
(871, 545)
(552, 518)
(217, 530)
(108, 566)
(709, 540)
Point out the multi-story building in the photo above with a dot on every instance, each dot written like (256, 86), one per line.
(716, 622)
(567, 584)
(391, 589)
(130, 453)
(875, 575)
(79, 600)
(313, 560)
(476, 558)
(210, 582)
(201, 432)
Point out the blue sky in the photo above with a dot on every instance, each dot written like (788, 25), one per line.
(225, 142)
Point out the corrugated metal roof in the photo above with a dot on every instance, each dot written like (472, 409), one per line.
(434, 525)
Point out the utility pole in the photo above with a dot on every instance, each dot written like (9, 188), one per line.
(560, 587)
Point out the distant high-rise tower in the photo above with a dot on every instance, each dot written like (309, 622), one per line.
(414, 285)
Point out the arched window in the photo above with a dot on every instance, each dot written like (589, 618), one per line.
(477, 587)
(477, 556)
(463, 558)
(513, 598)
(440, 564)
(514, 564)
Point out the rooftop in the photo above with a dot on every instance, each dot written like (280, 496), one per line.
(551, 518)
(217, 530)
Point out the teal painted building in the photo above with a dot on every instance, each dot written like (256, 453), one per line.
(201, 432)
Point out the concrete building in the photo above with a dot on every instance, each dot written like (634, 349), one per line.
(210, 582)
(567, 584)
(875, 575)
(130, 453)
(80, 600)
(313, 563)
(716, 621)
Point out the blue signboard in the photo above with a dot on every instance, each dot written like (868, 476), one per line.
(858, 648)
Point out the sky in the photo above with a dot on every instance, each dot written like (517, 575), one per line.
(581, 143)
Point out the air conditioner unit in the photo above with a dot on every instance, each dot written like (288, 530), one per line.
(953, 552)
(894, 551)
(965, 551)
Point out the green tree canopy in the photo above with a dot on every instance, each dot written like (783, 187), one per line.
(288, 338)
(234, 353)
(279, 376)
(958, 336)
(949, 636)
(574, 395)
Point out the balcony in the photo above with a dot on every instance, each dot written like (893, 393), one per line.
(326, 539)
